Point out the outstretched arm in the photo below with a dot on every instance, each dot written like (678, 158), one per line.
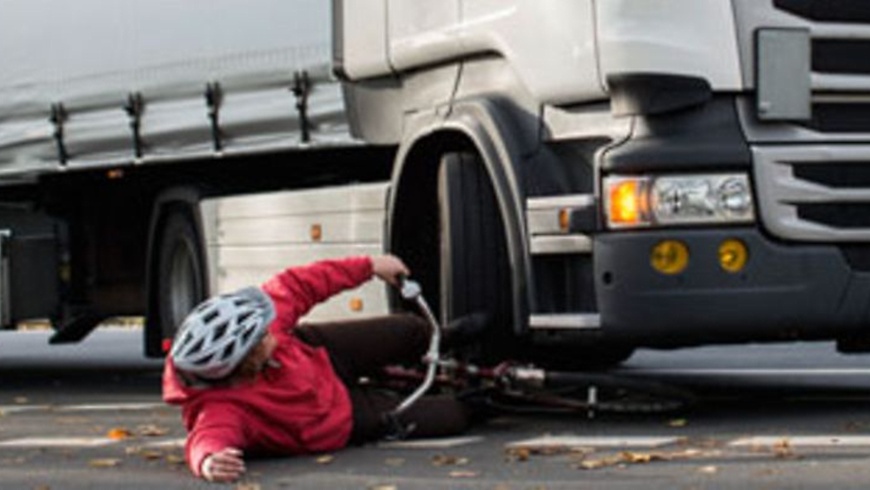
(223, 466)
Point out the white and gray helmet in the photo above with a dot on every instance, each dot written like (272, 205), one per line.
(215, 337)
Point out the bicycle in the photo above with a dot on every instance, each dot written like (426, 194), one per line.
(521, 388)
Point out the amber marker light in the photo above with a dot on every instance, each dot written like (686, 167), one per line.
(356, 304)
(565, 220)
(669, 257)
(733, 255)
(627, 205)
(316, 233)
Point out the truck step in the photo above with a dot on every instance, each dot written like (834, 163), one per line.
(571, 321)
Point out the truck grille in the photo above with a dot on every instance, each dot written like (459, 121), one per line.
(839, 33)
(812, 175)
(815, 192)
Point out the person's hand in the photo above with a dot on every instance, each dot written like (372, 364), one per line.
(223, 466)
(389, 268)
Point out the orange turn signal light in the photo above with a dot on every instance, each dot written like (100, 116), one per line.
(628, 203)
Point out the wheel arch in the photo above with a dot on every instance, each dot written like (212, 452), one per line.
(485, 127)
(186, 199)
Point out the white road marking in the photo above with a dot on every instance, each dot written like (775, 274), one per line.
(440, 443)
(89, 407)
(569, 441)
(50, 442)
(167, 443)
(761, 372)
(109, 407)
(803, 441)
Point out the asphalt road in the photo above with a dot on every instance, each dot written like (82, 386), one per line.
(783, 416)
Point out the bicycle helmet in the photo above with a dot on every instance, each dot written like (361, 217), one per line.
(219, 333)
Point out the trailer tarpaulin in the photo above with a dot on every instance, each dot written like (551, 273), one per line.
(87, 83)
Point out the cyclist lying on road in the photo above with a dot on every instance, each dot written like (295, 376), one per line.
(252, 382)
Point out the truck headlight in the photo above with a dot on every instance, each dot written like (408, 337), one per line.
(677, 200)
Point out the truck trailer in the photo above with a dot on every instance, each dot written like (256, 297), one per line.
(596, 175)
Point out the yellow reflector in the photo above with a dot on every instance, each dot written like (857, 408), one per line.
(356, 304)
(733, 255)
(627, 206)
(670, 257)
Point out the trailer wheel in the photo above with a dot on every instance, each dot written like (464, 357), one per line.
(180, 278)
(474, 266)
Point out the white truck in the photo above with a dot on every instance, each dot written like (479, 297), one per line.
(596, 174)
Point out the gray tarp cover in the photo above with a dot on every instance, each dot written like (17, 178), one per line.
(90, 55)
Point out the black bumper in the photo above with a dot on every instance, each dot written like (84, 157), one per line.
(786, 292)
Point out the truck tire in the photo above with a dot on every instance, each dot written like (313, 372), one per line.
(474, 266)
(180, 278)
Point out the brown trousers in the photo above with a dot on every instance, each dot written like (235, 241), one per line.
(362, 348)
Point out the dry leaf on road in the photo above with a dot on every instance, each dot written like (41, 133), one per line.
(118, 434)
(104, 463)
(446, 460)
(151, 430)
(325, 459)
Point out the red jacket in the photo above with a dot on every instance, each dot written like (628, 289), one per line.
(297, 407)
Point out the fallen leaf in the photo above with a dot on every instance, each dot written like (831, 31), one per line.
(104, 463)
(519, 454)
(445, 460)
(325, 459)
(643, 458)
(678, 423)
(151, 454)
(597, 463)
(523, 453)
(151, 430)
(783, 449)
(708, 470)
(248, 486)
(394, 461)
(464, 474)
(118, 434)
(383, 487)
(174, 459)
(632, 457)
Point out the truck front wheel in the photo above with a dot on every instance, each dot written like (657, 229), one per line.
(474, 266)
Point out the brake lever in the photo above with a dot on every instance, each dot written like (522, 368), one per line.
(409, 289)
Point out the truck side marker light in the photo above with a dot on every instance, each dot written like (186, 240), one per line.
(565, 220)
(316, 232)
(166, 345)
(669, 257)
(356, 304)
(733, 255)
(628, 203)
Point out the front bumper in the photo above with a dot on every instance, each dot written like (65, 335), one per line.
(786, 292)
